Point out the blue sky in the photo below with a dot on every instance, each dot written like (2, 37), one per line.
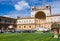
(14, 8)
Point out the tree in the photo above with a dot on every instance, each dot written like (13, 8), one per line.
(55, 27)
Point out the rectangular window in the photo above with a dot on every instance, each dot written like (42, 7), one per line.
(29, 20)
(0, 20)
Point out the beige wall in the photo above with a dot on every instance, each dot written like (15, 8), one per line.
(21, 27)
(53, 19)
(34, 24)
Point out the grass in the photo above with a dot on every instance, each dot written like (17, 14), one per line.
(28, 37)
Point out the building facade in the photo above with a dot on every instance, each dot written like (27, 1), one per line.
(40, 18)
(7, 23)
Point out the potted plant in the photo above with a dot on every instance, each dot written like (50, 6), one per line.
(55, 27)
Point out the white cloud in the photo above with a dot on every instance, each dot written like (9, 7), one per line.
(6, 16)
(14, 14)
(55, 7)
(21, 5)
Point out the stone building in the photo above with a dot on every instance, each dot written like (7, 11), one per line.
(41, 17)
(7, 23)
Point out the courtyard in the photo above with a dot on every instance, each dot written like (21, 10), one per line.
(39, 36)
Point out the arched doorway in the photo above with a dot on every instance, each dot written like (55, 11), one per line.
(40, 17)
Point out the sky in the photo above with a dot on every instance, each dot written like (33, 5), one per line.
(14, 8)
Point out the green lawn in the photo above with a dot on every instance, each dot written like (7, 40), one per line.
(28, 37)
